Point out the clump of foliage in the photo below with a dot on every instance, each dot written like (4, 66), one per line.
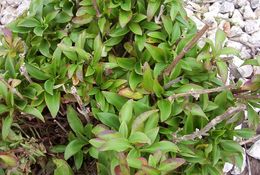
(92, 86)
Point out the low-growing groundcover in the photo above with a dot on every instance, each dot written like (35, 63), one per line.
(118, 87)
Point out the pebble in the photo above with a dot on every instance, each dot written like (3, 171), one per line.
(248, 13)
(245, 53)
(257, 12)
(255, 3)
(227, 7)
(251, 26)
(255, 39)
(241, 3)
(237, 18)
(235, 31)
(234, 44)
(246, 70)
(254, 150)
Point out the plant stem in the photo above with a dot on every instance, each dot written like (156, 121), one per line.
(199, 92)
(203, 132)
(96, 8)
(251, 140)
(169, 69)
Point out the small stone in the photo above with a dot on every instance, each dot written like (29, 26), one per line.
(237, 61)
(235, 31)
(241, 3)
(237, 18)
(14, 3)
(227, 7)
(246, 70)
(245, 53)
(226, 27)
(251, 26)
(234, 44)
(248, 13)
(210, 20)
(7, 19)
(257, 12)
(255, 3)
(215, 7)
(255, 39)
(255, 150)
(198, 22)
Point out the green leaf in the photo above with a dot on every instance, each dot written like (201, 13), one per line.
(3, 108)
(228, 50)
(124, 17)
(147, 78)
(33, 111)
(139, 137)
(222, 70)
(29, 22)
(98, 47)
(6, 126)
(9, 66)
(168, 24)
(72, 148)
(139, 121)
(219, 39)
(187, 88)
(123, 129)
(126, 112)
(253, 117)
(114, 99)
(156, 52)
(134, 80)
(48, 86)
(171, 164)
(152, 8)
(244, 133)
(78, 159)
(74, 121)
(231, 146)
(165, 109)
(62, 167)
(135, 28)
(164, 146)
(44, 48)
(196, 110)
(8, 160)
(117, 144)
(36, 72)
(53, 102)
(109, 119)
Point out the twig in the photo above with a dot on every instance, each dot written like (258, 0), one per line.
(157, 18)
(169, 69)
(14, 90)
(96, 8)
(203, 132)
(251, 140)
(199, 92)
(58, 123)
(170, 83)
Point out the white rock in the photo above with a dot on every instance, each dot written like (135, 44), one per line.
(210, 20)
(215, 7)
(255, 3)
(227, 167)
(235, 31)
(245, 53)
(246, 70)
(198, 22)
(14, 3)
(255, 150)
(23, 7)
(257, 12)
(234, 44)
(255, 39)
(248, 13)
(251, 26)
(7, 19)
(244, 37)
(237, 61)
(241, 3)
(227, 7)
(237, 18)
